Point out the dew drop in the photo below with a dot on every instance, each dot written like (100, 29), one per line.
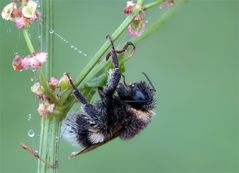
(72, 46)
(76, 48)
(79, 51)
(85, 54)
(31, 133)
(57, 139)
(51, 31)
(31, 79)
(29, 117)
(146, 21)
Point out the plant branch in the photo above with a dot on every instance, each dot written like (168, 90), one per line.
(160, 21)
(106, 45)
(152, 4)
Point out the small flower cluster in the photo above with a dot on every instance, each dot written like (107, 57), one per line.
(33, 61)
(22, 16)
(45, 107)
(167, 3)
(137, 26)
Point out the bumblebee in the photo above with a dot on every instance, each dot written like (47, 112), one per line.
(122, 111)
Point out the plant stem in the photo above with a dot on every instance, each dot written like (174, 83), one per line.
(153, 4)
(50, 125)
(160, 21)
(28, 41)
(87, 69)
(106, 45)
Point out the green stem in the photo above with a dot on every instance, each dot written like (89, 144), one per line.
(153, 4)
(50, 125)
(104, 47)
(160, 21)
(87, 69)
(28, 41)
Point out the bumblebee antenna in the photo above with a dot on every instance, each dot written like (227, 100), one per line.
(124, 81)
(137, 101)
(146, 76)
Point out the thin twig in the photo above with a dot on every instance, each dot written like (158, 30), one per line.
(34, 153)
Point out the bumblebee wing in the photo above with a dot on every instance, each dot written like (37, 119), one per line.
(116, 133)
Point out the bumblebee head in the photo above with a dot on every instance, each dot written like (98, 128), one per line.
(139, 95)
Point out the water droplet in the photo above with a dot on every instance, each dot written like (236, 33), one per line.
(76, 48)
(57, 139)
(79, 51)
(39, 36)
(29, 117)
(31, 133)
(66, 41)
(85, 54)
(31, 79)
(51, 31)
(146, 21)
(72, 46)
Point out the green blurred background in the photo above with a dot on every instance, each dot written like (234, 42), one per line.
(193, 62)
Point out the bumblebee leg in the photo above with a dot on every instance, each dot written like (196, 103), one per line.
(113, 81)
(76, 92)
(124, 79)
(100, 92)
(114, 74)
(129, 43)
(113, 53)
(122, 90)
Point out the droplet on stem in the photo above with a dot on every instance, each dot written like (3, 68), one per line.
(31, 133)
(51, 31)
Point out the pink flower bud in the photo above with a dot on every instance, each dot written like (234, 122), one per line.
(64, 82)
(20, 22)
(45, 108)
(129, 7)
(37, 89)
(167, 3)
(35, 61)
(41, 57)
(17, 63)
(25, 63)
(8, 11)
(53, 83)
(137, 27)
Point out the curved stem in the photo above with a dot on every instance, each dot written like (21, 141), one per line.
(26, 35)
